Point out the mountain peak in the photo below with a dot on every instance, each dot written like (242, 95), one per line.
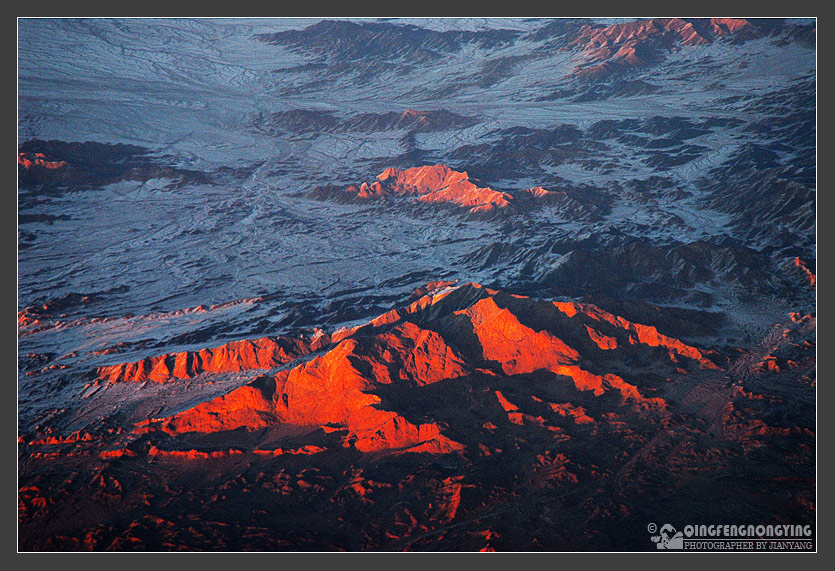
(642, 42)
(454, 332)
(440, 184)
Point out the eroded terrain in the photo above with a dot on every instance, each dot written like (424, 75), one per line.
(424, 285)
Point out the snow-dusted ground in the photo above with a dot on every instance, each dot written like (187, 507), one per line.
(189, 91)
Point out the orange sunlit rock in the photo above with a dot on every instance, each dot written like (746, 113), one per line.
(419, 355)
(516, 347)
(264, 353)
(450, 499)
(723, 26)
(634, 43)
(77, 436)
(120, 453)
(578, 413)
(38, 160)
(802, 265)
(339, 389)
(191, 454)
(638, 333)
(421, 180)
(306, 450)
(603, 341)
(439, 183)
(552, 469)
(331, 389)
(506, 404)
(519, 350)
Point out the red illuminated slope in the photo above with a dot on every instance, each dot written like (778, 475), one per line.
(458, 416)
(28, 161)
(438, 184)
(805, 268)
(335, 389)
(264, 353)
(642, 41)
(448, 334)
